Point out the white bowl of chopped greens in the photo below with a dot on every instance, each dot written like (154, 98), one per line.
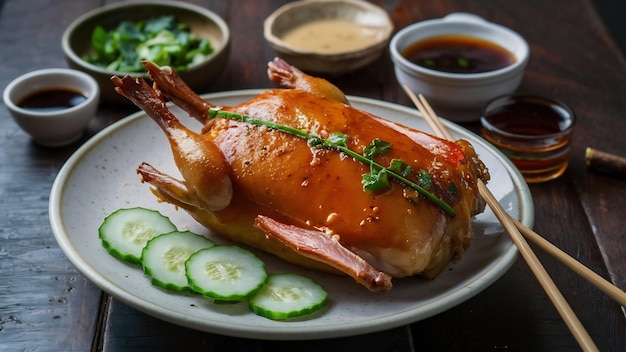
(114, 39)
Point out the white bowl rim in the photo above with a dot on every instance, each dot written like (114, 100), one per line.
(67, 48)
(462, 18)
(277, 42)
(33, 75)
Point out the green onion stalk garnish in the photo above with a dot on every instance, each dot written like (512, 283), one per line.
(378, 176)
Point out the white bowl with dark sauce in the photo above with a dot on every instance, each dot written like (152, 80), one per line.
(54, 106)
(465, 61)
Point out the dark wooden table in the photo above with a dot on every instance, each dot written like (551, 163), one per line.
(46, 304)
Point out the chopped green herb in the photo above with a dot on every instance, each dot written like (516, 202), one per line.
(400, 167)
(163, 40)
(376, 148)
(424, 179)
(452, 189)
(376, 180)
(337, 139)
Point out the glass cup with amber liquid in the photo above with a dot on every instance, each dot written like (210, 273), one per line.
(533, 132)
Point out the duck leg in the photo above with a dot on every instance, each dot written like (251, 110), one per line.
(289, 76)
(321, 247)
(169, 83)
(199, 160)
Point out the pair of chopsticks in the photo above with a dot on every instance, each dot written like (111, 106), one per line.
(515, 229)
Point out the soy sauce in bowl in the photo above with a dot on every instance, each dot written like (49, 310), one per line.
(51, 100)
(458, 54)
(54, 105)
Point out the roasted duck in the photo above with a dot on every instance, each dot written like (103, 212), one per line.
(276, 191)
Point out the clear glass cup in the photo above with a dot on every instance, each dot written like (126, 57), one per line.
(532, 131)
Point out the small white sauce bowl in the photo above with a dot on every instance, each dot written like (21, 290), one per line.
(459, 96)
(297, 13)
(59, 127)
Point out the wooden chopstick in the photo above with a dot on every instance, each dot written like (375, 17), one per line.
(604, 285)
(601, 283)
(559, 302)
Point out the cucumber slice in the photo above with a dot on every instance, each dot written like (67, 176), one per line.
(288, 296)
(163, 258)
(125, 232)
(225, 273)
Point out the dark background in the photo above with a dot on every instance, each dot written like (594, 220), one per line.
(613, 12)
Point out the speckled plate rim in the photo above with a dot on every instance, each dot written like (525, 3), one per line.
(100, 177)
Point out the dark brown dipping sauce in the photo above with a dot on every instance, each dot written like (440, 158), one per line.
(458, 54)
(51, 100)
(530, 116)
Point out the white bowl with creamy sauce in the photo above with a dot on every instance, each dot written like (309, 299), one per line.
(455, 93)
(328, 36)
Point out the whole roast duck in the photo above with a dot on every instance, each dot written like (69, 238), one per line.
(250, 180)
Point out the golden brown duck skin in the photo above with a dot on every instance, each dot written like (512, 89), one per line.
(277, 176)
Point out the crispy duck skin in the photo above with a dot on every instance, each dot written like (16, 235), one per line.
(271, 190)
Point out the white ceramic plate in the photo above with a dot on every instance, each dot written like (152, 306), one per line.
(101, 178)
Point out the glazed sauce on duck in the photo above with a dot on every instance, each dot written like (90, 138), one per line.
(458, 54)
(51, 100)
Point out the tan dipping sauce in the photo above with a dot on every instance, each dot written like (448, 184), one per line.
(331, 36)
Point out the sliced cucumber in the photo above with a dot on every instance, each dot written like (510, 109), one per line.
(225, 273)
(163, 258)
(125, 232)
(288, 296)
